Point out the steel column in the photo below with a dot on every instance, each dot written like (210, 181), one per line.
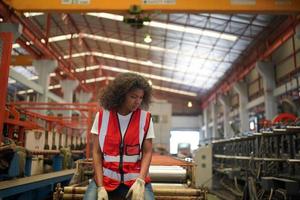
(6, 41)
(88, 135)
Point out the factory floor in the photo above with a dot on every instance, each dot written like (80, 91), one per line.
(212, 197)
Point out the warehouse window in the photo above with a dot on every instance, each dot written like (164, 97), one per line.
(184, 137)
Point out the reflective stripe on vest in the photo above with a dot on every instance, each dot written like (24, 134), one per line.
(142, 125)
(126, 158)
(103, 129)
(116, 176)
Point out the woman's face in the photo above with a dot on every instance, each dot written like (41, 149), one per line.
(133, 100)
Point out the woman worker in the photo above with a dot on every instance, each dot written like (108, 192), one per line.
(122, 141)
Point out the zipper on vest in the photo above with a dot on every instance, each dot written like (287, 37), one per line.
(121, 162)
(122, 146)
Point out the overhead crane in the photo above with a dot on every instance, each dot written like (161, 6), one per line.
(212, 6)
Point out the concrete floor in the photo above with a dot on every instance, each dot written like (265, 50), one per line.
(212, 197)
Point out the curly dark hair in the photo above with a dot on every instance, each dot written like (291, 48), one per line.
(114, 94)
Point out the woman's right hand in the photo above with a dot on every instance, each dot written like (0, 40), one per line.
(102, 194)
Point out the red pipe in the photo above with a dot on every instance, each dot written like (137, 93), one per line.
(48, 26)
(294, 53)
(21, 138)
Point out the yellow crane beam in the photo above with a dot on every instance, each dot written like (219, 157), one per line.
(191, 6)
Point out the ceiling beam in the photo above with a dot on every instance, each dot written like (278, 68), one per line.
(25, 81)
(32, 85)
(212, 6)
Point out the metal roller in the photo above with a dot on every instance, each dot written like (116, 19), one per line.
(80, 197)
(160, 192)
(169, 185)
(74, 190)
(168, 174)
(178, 198)
(73, 196)
(177, 192)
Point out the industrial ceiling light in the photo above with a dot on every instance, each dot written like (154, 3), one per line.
(32, 14)
(15, 46)
(147, 38)
(107, 16)
(190, 104)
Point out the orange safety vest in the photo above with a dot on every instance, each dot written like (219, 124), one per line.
(122, 156)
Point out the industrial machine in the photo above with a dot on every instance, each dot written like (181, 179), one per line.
(39, 149)
(264, 165)
(203, 167)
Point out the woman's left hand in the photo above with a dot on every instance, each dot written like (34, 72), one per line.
(137, 190)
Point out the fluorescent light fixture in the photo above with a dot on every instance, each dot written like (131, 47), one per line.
(32, 14)
(11, 81)
(173, 27)
(34, 78)
(165, 89)
(92, 80)
(25, 91)
(62, 37)
(51, 87)
(15, 46)
(197, 31)
(107, 16)
(190, 104)
(89, 68)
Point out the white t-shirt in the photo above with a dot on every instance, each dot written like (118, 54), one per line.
(123, 120)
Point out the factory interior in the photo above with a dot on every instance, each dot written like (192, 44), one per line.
(225, 79)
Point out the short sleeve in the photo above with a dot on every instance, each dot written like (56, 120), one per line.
(94, 129)
(150, 134)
